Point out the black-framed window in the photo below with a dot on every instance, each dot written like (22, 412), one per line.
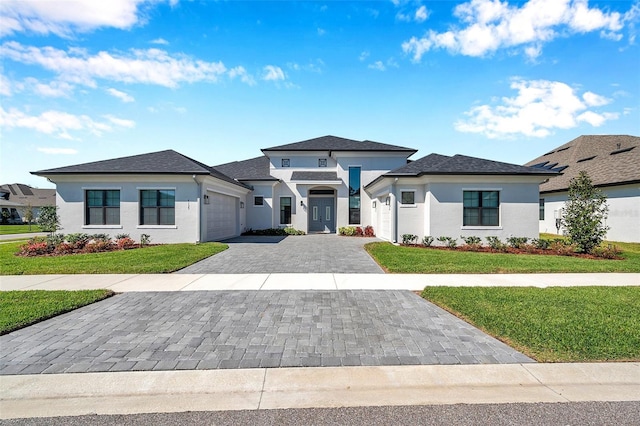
(408, 197)
(322, 162)
(285, 210)
(354, 195)
(481, 208)
(541, 209)
(157, 207)
(102, 207)
(286, 162)
(258, 200)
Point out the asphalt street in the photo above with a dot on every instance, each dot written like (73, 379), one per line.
(569, 414)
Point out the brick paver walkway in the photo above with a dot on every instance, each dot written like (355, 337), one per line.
(249, 329)
(315, 253)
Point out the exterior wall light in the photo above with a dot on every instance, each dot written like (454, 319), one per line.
(301, 203)
(242, 204)
(206, 199)
(387, 201)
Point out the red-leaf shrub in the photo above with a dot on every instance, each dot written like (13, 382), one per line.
(97, 246)
(125, 243)
(368, 231)
(359, 232)
(34, 248)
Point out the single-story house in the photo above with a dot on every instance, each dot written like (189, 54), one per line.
(16, 198)
(316, 185)
(613, 164)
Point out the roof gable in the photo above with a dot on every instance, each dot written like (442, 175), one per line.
(607, 159)
(251, 169)
(334, 143)
(161, 162)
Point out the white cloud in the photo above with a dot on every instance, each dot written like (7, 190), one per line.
(539, 107)
(159, 41)
(363, 56)
(5, 86)
(316, 66)
(273, 73)
(421, 14)
(58, 123)
(53, 89)
(489, 25)
(124, 97)
(377, 65)
(151, 66)
(63, 19)
(57, 151)
(242, 74)
(130, 124)
(321, 31)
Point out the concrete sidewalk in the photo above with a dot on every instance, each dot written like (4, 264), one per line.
(190, 282)
(278, 388)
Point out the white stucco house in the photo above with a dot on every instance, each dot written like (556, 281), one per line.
(316, 185)
(613, 164)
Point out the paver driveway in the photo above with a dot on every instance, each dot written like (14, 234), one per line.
(249, 329)
(315, 253)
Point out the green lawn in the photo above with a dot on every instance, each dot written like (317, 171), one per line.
(149, 260)
(400, 259)
(557, 324)
(21, 308)
(18, 229)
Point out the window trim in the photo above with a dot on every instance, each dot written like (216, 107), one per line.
(86, 223)
(255, 198)
(499, 208)
(541, 209)
(285, 162)
(141, 225)
(408, 205)
(349, 167)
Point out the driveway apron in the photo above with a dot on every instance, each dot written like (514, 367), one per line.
(315, 253)
(249, 329)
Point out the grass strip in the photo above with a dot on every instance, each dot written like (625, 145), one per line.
(18, 229)
(149, 260)
(417, 260)
(556, 324)
(22, 308)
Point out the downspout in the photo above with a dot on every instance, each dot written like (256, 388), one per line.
(394, 212)
(199, 210)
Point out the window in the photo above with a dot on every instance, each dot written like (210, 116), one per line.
(158, 207)
(481, 208)
(258, 200)
(354, 195)
(285, 210)
(286, 162)
(408, 197)
(322, 162)
(102, 207)
(541, 209)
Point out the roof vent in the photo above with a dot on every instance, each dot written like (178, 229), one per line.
(586, 159)
(620, 151)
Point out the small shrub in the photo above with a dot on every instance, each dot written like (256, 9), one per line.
(145, 240)
(64, 248)
(562, 247)
(472, 242)
(448, 241)
(359, 231)
(293, 231)
(78, 240)
(97, 246)
(125, 243)
(121, 236)
(517, 242)
(34, 248)
(100, 237)
(609, 252)
(368, 231)
(55, 239)
(427, 241)
(347, 231)
(495, 243)
(409, 239)
(541, 243)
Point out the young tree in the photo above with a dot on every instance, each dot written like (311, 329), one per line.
(27, 214)
(49, 220)
(585, 213)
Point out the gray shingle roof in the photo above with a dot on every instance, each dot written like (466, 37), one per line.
(161, 162)
(334, 143)
(252, 169)
(24, 194)
(436, 164)
(314, 176)
(608, 159)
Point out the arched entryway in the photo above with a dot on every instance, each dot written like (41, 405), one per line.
(322, 210)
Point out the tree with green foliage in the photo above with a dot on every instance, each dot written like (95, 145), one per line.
(585, 214)
(48, 219)
(27, 214)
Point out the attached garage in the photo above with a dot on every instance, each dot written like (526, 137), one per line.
(222, 216)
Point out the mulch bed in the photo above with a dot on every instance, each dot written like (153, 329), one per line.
(511, 250)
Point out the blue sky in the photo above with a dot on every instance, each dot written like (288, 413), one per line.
(84, 80)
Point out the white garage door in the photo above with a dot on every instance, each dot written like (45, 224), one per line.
(222, 216)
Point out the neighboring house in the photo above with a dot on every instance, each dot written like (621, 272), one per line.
(613, 164)
(317, 185)
(16, 198)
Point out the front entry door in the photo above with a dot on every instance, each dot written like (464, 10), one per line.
(322, 215)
